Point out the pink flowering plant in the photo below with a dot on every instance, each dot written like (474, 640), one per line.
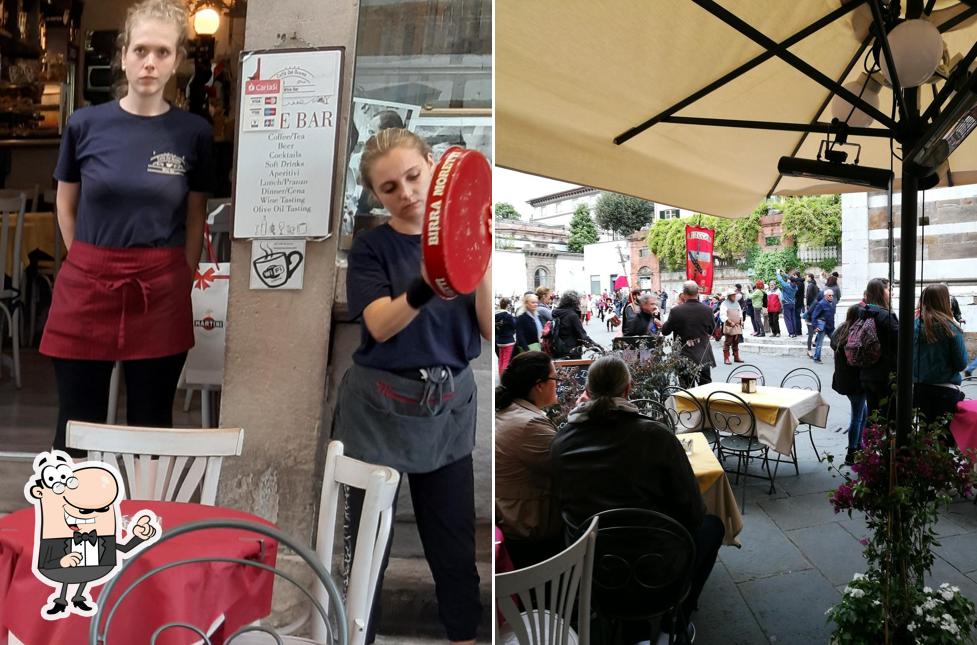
(900, 491)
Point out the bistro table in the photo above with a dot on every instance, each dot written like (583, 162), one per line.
(778, 410)
(218, 597)
(714, 486)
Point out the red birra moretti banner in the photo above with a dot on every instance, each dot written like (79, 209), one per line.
(698, 256)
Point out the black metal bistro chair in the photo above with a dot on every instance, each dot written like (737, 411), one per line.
(643, 568)
(802, 378)
(694, 420)
(332, 613)
(655, 410)
(746, 368)
(733, 419)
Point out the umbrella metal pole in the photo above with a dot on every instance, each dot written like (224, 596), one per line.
(907, 308)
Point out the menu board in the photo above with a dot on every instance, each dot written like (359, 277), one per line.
(287, 143)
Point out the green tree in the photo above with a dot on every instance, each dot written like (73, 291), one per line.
(504, 210)
(623, 214)
(734, 237)
(583, 231)
(766, 263)
(814, 220)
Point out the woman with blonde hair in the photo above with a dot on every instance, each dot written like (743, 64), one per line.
(133, 179)
(939, 355)
(409, 399)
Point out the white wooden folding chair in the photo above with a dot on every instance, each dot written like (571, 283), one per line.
(380, 486)
(166, 464)
(547, 592)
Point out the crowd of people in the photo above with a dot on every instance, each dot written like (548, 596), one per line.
(549, 481)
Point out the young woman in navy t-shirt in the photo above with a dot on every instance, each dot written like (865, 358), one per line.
(409, 399)
(133, 177)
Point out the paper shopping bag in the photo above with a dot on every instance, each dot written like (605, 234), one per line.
(205, 362)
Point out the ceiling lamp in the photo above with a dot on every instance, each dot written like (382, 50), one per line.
(917, 49)
(206, 21)
(841, 108)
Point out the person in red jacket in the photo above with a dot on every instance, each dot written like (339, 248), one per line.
(774, 307)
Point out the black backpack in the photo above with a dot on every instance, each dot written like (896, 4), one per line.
(550, 341)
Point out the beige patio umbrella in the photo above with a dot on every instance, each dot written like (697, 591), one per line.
(572, 76)
(617, 94)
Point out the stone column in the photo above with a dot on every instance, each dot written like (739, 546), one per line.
(854, 268)
(278, 342)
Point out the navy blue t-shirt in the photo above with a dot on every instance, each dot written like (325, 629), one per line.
(135, 172)
(384, 262)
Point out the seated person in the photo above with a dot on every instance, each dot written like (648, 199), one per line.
(646, 321)
(610, 456)
(524, 509)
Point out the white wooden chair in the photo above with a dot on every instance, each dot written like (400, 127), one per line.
(167, 464)
(12, 208)
(547, 592)
(380, 486)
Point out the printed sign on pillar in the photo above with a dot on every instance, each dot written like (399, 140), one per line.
(277, 264)
(698, 256)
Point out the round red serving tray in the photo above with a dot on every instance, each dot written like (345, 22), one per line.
(457, 236)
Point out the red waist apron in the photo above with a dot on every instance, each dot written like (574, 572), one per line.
(120, 304)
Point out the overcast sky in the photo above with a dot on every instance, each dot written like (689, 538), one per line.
(516, 187)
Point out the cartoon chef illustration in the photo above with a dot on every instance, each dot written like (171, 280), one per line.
(76, 529)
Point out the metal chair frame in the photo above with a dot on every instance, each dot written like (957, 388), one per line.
(615, 523)
(686, 419)
(733, 434)
(102, 621)
(802, 374)
(655, 410)
(746, 367)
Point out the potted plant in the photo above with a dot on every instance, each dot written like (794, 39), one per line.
(901, 491)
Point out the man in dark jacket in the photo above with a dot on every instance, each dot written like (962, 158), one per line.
(822, 317)
(799, 299)
(609, 456)
(693, 323)
(646, 321)
(811, 293)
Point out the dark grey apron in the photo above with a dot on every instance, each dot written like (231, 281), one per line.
(413, 426)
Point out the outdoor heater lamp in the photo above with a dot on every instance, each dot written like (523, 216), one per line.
(878, 178)
(951, 127)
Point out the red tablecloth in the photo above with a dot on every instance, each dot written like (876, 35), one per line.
(964, 425)
(198, 594)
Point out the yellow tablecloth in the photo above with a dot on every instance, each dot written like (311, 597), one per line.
(765, 402)
(716, 492)
(793, 407)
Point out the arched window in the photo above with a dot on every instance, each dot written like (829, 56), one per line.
(644, 278)
(541, 278)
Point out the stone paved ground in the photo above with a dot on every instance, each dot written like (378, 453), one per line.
(797, 553)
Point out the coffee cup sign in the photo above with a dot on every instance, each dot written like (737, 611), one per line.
(277, 264)
(456, 239)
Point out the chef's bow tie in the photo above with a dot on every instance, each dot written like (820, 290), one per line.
(90, 537)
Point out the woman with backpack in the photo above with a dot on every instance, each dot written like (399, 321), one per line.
(873, 344)
(939, 355)
(846, 381)
(566, 335)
